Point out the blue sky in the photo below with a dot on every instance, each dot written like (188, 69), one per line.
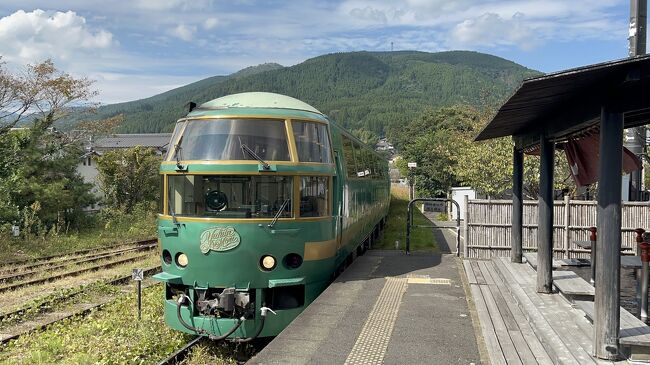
(138, 48)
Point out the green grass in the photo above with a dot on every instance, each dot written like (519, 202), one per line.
(112, 335)
(422, 239)
(103, 232)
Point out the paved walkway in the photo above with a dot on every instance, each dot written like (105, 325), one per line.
(387, 308)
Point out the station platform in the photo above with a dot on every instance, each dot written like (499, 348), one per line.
(386, 308)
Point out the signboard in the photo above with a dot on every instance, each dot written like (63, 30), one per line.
(137, 274)
(436, 207)
(219, 239)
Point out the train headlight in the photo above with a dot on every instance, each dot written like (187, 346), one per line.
(268, 262)
(181, 260)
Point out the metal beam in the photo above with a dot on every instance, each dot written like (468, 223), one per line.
(608, 244)
(545, 208)
(517, 204)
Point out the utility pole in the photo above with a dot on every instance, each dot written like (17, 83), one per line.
(635, 137)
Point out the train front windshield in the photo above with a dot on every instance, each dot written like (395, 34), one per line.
(230, 196)
(230, 139)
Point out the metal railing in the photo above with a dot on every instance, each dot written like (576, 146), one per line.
(409, 220)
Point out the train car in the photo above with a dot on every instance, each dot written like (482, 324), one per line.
(265, 199)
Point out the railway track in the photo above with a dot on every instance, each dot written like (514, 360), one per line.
(17, 285)
(21, 264)
(71, 261)
(180, 355)
(47, 319)
(52, 301)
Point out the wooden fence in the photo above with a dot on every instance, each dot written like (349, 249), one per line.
(487, 226)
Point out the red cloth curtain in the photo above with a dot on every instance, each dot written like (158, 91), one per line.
(583, 154)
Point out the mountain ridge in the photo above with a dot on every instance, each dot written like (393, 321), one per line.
(361, 90)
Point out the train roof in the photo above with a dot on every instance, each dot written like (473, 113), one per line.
(258, 100)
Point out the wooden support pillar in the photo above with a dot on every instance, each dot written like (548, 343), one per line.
(517, 204)
(608, 244)
(545, 221)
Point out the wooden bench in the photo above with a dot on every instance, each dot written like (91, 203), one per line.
(562, 329)
(531, 259)
(634, 334)
(572, 286)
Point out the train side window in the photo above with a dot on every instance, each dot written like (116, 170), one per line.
(312, 142)
(376, 172)
(348, 155)
(363, 162)
(313, 196)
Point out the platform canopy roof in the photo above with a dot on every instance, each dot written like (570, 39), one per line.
(561, 104)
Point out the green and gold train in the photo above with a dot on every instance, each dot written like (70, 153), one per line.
(265, 200)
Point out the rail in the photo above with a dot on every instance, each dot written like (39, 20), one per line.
(180, 355)
(409, 220)
(16, 325)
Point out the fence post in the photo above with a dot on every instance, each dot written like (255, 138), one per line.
(466, 226)
(567, 218)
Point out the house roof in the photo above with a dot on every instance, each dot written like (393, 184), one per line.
(560, 104)
(156, 140)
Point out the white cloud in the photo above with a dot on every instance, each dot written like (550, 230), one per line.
(369, 13)
(210, 23)
(490, 30)
(163, 5)
(184, 32)
(154, 49)
(549, 20)
(28, 37)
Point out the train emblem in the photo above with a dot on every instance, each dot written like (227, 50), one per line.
(219, 239)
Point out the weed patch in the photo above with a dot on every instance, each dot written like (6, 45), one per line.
(112, 335)
(421, 238)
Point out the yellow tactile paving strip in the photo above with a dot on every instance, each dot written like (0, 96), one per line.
(372, 342)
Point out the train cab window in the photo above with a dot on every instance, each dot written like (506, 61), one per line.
(230, 196)
(313, 196)
(177, 132)
(312, 142)
(161, 195)
(233, 139)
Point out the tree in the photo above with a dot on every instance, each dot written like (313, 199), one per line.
(41, 92)
(38, 164)
(129, 176)
(366, 136)
(441, 142)
(434, 141)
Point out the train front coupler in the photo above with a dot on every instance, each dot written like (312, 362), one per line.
(230, 302)
(260, 326)
(185, 300)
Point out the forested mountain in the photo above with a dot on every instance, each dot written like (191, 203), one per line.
(361, 90)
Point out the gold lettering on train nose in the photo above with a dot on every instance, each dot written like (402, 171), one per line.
(219, 239)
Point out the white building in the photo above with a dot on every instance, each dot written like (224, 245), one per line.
(87, 168)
